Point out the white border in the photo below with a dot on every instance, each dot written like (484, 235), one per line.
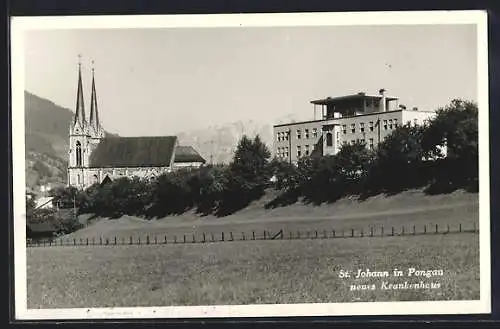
(21, 24)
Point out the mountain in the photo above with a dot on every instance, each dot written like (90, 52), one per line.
(217, 143)
(46, 138)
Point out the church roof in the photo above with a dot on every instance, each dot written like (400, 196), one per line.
(187, 154)
(133, 152)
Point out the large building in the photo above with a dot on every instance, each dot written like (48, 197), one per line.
(95, 157)
(346, 119)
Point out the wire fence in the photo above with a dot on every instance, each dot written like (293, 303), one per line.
(282, 234)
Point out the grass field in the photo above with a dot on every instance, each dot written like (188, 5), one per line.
(280, 271)
(247, 272)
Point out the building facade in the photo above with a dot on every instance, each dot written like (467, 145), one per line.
(360, 117)
(94, 157)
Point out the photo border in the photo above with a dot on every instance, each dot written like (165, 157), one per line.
(21, 24)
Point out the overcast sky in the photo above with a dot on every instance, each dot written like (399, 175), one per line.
(164, 81)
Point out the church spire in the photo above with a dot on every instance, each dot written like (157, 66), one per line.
(80, 107)
(94, 115)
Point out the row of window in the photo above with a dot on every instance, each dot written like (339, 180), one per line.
(313, 133)
(387, 124)
(282, 152)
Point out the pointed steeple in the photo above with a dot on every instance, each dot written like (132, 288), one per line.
(94, 115)
(80, 107)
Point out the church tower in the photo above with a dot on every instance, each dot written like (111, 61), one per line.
(79, 140)
(95, 130)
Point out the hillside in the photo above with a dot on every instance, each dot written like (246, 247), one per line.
(46, 126)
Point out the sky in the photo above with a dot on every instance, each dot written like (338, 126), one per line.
(165, 81)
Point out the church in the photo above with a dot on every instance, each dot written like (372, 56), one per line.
(95, 157)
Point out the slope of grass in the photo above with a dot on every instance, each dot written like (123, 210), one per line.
(295, 271)
(408, 209)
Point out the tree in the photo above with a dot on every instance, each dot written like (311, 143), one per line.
(396, 160)
(249, 167)
(353, 161)
(455, 129)
(286, 175)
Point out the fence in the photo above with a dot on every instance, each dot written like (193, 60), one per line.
(282, 234)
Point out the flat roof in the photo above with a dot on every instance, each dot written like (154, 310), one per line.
(330, 100)
(350, 117)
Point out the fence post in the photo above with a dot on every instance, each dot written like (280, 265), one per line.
(107, 241)
(156, 240)
(175, 239)
(194, 238)
(204, 240)
(403, 230)
(139, 240)
(74, 242)
(100, 241)
(147, 239)
(316, 234)
(242, 235)
(184, 238)
(425, 229)
(371, 231)
(290, 235)
(392, 231)
(231, 236)
(382, 231)
(414, 230)
(213, 239)
(352, 232)
(436, 228)
(222, 236)
(333, 233)
(460, 227)
(264, 235)
(165, 239)
(253, 235)
(130, 239)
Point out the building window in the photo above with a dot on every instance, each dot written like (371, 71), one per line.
(78, 156)
(371, 125)
(362, 141)
(362, 127)
(315, 133)
(329, 139)
(371, 144)
(78, 179)
(278, 137)
(344, 129)
(298, 134)
(353, 128)
(306, 133)
(395, 123)
(299, 152)
(385, 124)
(286, 134)
(307, 149)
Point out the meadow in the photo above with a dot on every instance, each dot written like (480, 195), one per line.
(277, 271)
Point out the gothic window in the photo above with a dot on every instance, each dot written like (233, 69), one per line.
(78, 154)
(329, 139)
(78, 178)
(96, 179)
